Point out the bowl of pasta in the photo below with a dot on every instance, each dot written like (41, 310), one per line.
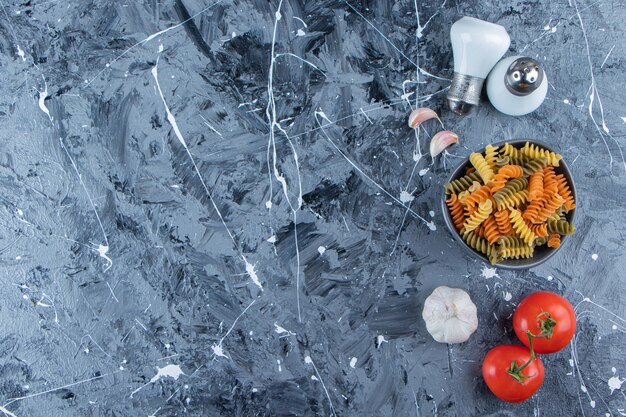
(511, 204)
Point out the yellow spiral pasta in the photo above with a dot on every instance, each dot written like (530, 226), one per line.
(521, 228)
(516, 253)
(511, 151)
(491, 154)
(534, 151)
(484, 210)
(483, 168)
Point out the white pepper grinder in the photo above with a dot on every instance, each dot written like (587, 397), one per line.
(517, 85)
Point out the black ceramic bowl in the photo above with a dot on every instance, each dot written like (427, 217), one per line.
(542, 253)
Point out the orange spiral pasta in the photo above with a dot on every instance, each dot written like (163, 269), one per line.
(478, 196)
(456, 211)
(504, 224)
(498, 182)
(480, 230)
(532, 210)
(548, 208)
(541, 230)
(554, 240)
(492, 233)
(564, 191)
(511, 171)
(535, 186)
(550, 185)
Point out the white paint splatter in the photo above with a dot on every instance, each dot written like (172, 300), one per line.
(353, 362)
(233, 35)
(423, 172)
(406, 197)
(431, 213)
(623, 118)
(314, 378)
(268, 204)
(594, 256)
(431, 226)
(102, 251)
(160, 47)
(300, 32)
(20, 53)
(7, 412)
(308, 360)
(380, 339)
(253, 389)
(280, 368)
(566, 101)
(615, 383)
(321, 250)
(583, 388)
(592, 403)
(168, 371)
(42, 100)
(489, 272)
(272, 239)
(549, 277)
(508, 296)
(218, 351)
(20, 212)
(571, 363)
(280, 330)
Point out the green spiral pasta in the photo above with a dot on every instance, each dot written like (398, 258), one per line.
(540, 241)
(502, 161)
(514, 200)
(477, 243)
(461, 184)
(532, 165)
(561, 227)
(521, 228)
(513, 186)
(511, 242)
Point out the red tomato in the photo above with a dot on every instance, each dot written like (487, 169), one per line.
(548, 312)
(504, 386)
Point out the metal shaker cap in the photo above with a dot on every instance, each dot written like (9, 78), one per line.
(523, 76)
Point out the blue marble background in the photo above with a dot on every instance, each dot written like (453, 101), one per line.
(217, 208)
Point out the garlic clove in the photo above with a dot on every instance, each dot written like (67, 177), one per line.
(418, 116)
(450, 315)
(441, 141)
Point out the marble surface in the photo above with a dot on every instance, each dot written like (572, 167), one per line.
(217, 208)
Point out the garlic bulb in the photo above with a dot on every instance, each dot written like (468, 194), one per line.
(450, 315)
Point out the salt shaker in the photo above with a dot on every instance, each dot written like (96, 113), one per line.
(517, 85)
